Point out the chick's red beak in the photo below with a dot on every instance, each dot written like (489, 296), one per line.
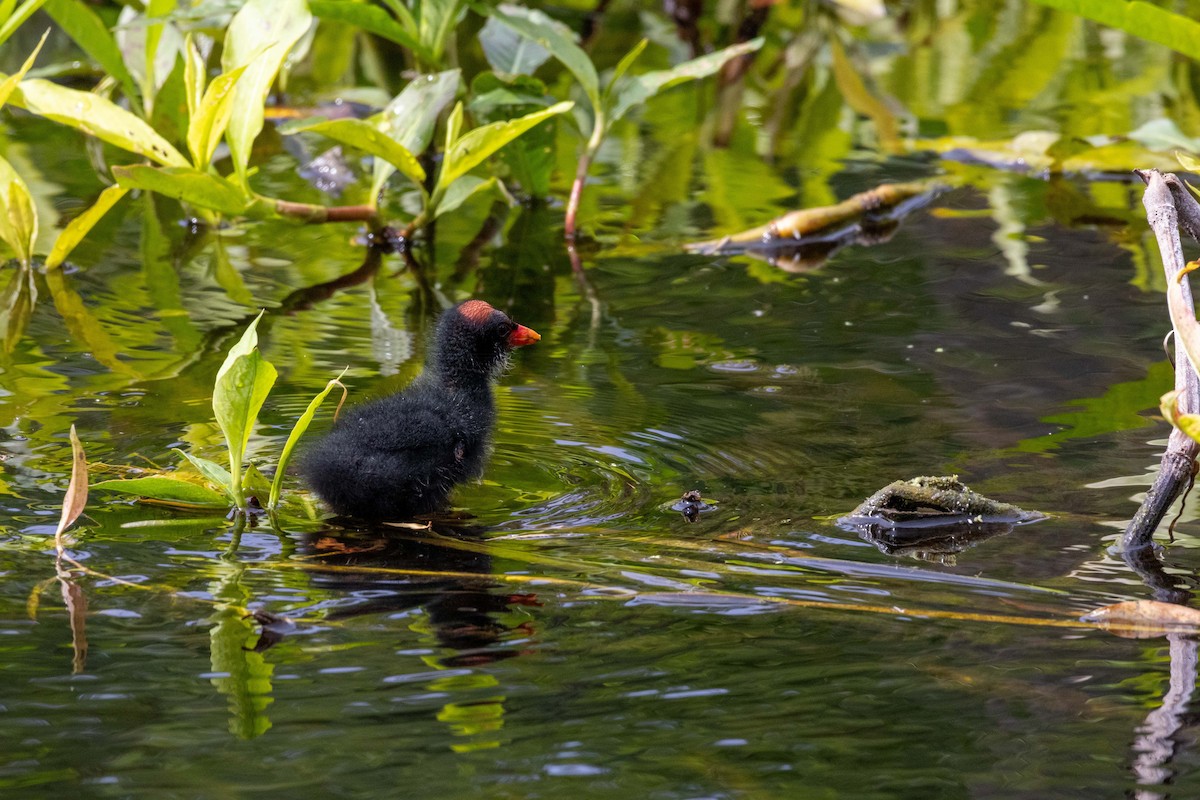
(523, 336)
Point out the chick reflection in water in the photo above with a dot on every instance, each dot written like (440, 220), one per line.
(389, 570)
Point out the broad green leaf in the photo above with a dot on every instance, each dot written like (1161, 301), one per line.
(298, 430)
(410, 118)
(96, 116)
(207, 123)
(1176, 31)
(470, 150)
(642, 87)
(259, 37)
(18, 223)
(508, 52)
(10, 83)
(558, 40)
(368, 138)
(371, 19)
(209, 469)
(460, 191)
(242, 385)
(169, 490)
(79, 227)
(14, 21)
(192, 186)
(81, 23)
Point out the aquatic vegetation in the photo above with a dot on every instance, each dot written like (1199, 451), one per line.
(242, 385)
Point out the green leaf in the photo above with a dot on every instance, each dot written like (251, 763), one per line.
(79, 227)
(436, 23)
(623, 66)
(96, 116)
(470, 150)
(169, 490)
(10, 83)
(192, 186)
(17, 17)
(149, 46)
(558, 40)
(508, 52)
(530, 158)
(410, 118)
(642, 87)
(1176, 31)
(298, 430)
(209, 469)
(242, 385)
(18, 222)
(259, 37)
(81, 23)
(460, 191)
(207, 123)
(195, 73)
(368, 138)
(371, 19)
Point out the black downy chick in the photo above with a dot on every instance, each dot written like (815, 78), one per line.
(401, 455)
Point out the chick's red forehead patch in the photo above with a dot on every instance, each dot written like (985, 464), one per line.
(475, 310)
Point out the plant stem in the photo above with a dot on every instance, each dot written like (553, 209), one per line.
(314, 214)
(599, 126)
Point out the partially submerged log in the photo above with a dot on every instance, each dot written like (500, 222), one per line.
(888, 202)
(932, 518)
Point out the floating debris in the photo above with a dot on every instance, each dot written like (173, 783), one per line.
(932, 518)
(1143, 619)
(691, 505)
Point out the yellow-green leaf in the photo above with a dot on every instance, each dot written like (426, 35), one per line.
(470, 150)
(168, 490)
(18, 17)
(298, 430)
(18, 222)
(95, 116)
(10, 83)
(368, 138)
(242, 385)
(194, 187)
(258, 38)
(207, 124)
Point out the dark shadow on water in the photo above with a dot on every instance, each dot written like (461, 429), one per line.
(431, 574)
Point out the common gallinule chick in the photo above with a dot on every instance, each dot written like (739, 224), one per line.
(401, 455)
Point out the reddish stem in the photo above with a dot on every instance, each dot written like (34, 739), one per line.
(585, 161)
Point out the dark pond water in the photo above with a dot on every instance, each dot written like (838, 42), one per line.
(575, 637)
